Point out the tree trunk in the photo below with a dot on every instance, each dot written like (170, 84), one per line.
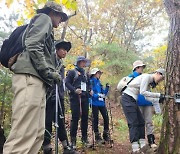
(170, 133)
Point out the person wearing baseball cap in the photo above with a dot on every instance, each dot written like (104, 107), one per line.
(34, 71)
(145, 105)
(98, 105)
(130, 100)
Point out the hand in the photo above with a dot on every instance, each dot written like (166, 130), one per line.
(91, 92)
(107, 85)
(78, 91)
(161, 98)
(101, 95)
(55, 76)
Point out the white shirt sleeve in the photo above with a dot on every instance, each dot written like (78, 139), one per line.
(150, 96)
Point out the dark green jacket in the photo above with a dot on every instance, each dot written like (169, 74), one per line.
(39, 46)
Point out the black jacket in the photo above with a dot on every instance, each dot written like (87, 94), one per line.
(74, 79)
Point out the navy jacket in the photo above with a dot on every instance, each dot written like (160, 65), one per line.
(141, 99)
(73, 82)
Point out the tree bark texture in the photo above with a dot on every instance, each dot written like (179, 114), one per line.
(170, 133)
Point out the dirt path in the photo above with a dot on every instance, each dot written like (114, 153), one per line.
(120, 134)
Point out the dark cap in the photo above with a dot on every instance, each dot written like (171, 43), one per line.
(63, 44)
(55, 7)
(82, 58)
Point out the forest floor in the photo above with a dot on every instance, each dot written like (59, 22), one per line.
(119, 135)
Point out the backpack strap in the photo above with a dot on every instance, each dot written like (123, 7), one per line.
(77, 73)
(127, 84)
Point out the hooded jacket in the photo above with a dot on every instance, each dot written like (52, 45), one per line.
(39, 45)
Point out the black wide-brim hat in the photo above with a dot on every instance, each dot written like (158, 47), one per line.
(55, 7)
(63, 44)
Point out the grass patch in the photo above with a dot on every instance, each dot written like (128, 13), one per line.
(157, 121)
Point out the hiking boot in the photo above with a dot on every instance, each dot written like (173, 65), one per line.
(47, 149)
(143, 146)
(135, 148)
(98, 138)
(151, 141)
(106, 136)
(85, 143)
(73, 143)
(68, 150)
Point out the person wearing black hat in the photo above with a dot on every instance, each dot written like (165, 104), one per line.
(78, 83)
(62, 47)
(34, 71)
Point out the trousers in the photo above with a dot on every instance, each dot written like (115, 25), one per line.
(134, 118)
(28, 115)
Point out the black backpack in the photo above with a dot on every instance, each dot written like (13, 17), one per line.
(13, 45)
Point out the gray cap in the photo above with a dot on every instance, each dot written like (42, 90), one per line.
(55, 7)
(162, 71)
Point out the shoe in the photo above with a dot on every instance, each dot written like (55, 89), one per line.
(106, 136)
(68, 150)
(98, 138)
(154, 146)
(135, 147)
(85, 143)
(73, 143)
(142, 143)
(151, 141)
(47, 149)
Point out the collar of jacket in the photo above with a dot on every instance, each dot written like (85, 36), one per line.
(134, 74)
(81, 70)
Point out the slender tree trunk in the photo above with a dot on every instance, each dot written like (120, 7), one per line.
(170, 134)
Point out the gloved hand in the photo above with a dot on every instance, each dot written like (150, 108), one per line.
(78, 91)
(101, 95)
(107, 85)
(161, 98)
(55, 76)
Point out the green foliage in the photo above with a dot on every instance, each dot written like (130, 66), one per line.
(122, 125)
(5, 99)
(116, 59)
(157, 121)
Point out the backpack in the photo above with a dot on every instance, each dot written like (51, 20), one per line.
(76, 75)
(123, 83)
(12, 47)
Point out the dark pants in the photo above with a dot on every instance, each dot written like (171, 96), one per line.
(104, 113)
(50, 117)
(134, 118)
(75, 110)
(2, 139)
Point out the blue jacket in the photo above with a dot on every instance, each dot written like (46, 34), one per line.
(98, 89)
(141, 99)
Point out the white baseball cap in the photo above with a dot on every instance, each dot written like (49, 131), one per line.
(95, 70)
